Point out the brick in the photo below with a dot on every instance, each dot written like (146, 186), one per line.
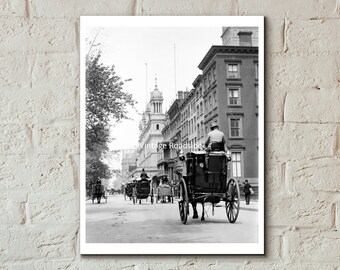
(300, 107)
(15, 70)
(290, 141)
(313, 175)
(285, 266)
(38, 242)
(37, 35)
(62, 101)
(321, 36)
(54, 208)
(53, 70)
(308, 209)
(337, 215)
(274, 172)
(73, 8)
(17, 106)
(13, 8)
(314, 72)
(14, 139)
(36, 172)
(289, 8)
(177, 7)
(12, 210)
(274, 104)
(274, 29)
(314, 246)
(62, 137)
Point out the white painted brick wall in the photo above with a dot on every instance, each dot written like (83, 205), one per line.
(39, 137)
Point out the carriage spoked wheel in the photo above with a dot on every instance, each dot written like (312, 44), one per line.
(232, 203)
(183, 203)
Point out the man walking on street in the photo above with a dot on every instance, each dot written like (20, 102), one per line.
(246, 190)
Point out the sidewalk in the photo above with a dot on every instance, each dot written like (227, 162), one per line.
(253, 206)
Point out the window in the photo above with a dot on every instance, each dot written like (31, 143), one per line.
(198, 130)
(214, 74)
(235, 128)
(210, 103)
(234, 98)
(197, 110)
(232, 71)
(209, 78)
(236, 168)
(257, 95)
(157, 126)
(215, 100)
(201, 107)
(206, 105)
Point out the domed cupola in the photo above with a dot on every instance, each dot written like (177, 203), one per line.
(156, 99)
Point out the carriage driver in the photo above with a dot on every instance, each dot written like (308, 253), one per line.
(143, 175)
(215, 136)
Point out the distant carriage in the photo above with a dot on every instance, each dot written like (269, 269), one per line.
(165, 190)
(129, 190)
(98, 192)
(206, 182)
(142, 190)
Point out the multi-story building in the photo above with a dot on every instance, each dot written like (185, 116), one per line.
(168, 151)
(150, 128)
(188, 119)
(198, 86)
(129, 160)
(230, 80)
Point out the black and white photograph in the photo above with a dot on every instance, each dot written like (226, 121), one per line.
(172, 135)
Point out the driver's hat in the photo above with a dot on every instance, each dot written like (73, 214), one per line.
(214, 124)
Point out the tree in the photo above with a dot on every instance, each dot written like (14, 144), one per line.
(105, 101)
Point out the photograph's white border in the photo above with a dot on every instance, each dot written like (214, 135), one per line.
(165, 248)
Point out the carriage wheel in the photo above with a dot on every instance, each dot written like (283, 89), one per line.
(183, 202)
(232, 203)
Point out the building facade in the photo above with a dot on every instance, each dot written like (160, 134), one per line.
(150, 128)
(230, 81)
(168, 151)
(129, 160)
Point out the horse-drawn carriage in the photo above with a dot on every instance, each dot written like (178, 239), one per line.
(164, 190)
(128, 191)
(142, 190)
(98, 191)
(206, 182)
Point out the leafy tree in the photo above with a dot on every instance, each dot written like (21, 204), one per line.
(105, 101)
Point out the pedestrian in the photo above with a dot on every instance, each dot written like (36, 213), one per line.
(246, 190)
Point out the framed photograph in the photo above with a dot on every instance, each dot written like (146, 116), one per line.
(172, 135)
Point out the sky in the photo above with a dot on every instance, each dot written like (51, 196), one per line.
(139, 53)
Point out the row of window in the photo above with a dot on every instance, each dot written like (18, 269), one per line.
(189, 127)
